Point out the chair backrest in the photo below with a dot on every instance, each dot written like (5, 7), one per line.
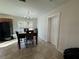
(17, 33)
(30, 33)
(26, 29)
(35, 30)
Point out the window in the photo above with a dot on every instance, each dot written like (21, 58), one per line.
(27, 24)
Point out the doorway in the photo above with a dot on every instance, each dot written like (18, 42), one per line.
(53, 29)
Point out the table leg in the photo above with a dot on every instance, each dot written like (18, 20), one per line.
(36, 40)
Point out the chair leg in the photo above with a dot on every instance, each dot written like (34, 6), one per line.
(36, 40)
(32, 42)
(26, 43)
(19, 45)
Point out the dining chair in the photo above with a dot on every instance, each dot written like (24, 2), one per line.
(26, 29)
(29, 37)
(36, 35)
(20, 37)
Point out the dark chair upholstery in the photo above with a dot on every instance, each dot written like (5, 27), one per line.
(71, 53)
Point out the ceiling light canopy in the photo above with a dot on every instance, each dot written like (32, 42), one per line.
(50, 0)
(23, 0)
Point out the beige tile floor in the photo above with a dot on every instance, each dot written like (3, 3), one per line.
(42, 51)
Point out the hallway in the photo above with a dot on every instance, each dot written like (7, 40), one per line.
(42, 51)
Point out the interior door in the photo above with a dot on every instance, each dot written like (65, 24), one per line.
(54, 30)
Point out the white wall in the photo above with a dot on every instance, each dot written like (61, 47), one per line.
(69, 25)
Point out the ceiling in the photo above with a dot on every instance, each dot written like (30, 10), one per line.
(37, 7)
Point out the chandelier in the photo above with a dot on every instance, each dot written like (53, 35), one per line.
(28, 15)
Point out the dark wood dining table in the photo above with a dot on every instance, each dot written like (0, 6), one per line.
(24, 34)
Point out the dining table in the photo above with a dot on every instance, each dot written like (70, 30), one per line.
(25, 34)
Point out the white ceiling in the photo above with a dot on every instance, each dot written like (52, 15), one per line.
(18, 8)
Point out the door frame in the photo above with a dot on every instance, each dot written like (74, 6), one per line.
(49, 19)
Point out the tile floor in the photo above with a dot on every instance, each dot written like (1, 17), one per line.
(42, 51)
